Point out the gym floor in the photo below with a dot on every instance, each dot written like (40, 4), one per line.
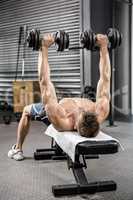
(32, 180)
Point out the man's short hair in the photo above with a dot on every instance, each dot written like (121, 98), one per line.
(88, 125)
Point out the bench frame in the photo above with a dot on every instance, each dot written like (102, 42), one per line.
(82, 185)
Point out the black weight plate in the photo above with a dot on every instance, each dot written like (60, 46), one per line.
(117, 38)
(29, 40)
(87, 39)
(37, 40)
(66, 40)
(83, 39)
(111, 33)
(60, 40)
(33, 39)
(120, 39)
(57, 40)
(94, 46)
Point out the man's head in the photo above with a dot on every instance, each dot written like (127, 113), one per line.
(87, 124)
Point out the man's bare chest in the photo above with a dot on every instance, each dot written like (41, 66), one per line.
(70, 104)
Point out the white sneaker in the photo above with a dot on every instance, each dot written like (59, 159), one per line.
(15, 154)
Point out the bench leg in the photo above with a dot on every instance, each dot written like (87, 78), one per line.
(49, 155)
(82, 186)
(90, 188)
(53, 153)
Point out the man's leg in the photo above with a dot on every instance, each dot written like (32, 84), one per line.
(23, 129)
(32, 110)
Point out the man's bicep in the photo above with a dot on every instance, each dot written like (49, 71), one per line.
(48, 93)
(103, 90)
(102, 109)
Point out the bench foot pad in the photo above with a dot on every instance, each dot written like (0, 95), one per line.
(90, 188)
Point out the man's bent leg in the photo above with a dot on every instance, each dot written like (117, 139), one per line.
(16, 151)
(30, 111)
(23, 127)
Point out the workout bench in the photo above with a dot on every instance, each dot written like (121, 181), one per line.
(85, 150)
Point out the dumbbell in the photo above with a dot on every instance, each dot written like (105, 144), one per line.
(88, 39)
(61, 39)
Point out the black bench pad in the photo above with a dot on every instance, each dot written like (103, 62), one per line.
(97, 147)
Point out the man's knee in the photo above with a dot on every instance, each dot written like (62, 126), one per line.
(27, 111)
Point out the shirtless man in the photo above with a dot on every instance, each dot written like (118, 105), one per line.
(78, 114)
(69, 114)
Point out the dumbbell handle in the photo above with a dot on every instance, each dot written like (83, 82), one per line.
(54, 35)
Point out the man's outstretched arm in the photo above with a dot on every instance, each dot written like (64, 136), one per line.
(103, 87)
(46, 86)
(55, 112)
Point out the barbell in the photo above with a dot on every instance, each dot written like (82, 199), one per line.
(88, 40)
